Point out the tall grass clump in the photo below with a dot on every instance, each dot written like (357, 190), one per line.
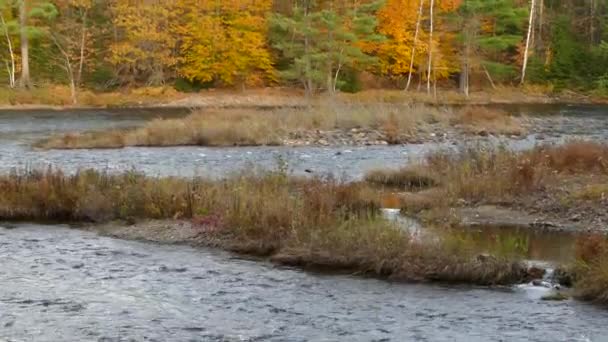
(481, 174)
(591, 269)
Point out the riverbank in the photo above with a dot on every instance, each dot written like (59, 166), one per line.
(57, 97)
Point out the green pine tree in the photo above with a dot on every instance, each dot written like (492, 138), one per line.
(320, 44)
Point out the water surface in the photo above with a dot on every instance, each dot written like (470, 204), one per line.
(60, 284)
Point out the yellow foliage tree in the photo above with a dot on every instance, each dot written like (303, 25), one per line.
(145, 46)
(398, 21)
(224, 40)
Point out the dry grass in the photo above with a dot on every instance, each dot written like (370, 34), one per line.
(59, 95)
(404, 178)
(482, 175)
(306, 222)
(593, 192)
(486, 120)
(591, 269)
(255, 127)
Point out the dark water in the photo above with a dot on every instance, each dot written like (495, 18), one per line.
(66, 285)
(532, 244)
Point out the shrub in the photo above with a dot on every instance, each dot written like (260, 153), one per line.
(591, 269)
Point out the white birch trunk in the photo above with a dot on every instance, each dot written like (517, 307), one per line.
(530, 27)
(25, 59)
(409, 76)
(11, 68)
(430, 66)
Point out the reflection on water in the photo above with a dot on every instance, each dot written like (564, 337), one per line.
(532, 244)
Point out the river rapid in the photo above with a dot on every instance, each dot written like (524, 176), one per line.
(64, 284)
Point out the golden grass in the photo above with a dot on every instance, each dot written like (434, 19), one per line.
(496, 174)
(239, 127)
(486, 120)
(255, 127)
(60, 95)
(305, 222)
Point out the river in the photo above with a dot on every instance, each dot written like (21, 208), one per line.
(19, 129)
(62, 284)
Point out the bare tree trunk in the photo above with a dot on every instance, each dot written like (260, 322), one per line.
(308, 79)
(331, 88)
(73, 93)
(464, 73)
(530, 28)
(409, 76)
(592, 21)
(541, 10)
(430, 66)
(434, 84)
(11, 69)
(25, 59)
(337, 75)
(83, 38)
(68, 68)
(485, 70)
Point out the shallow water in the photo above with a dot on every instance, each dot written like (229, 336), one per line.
(60, 284)
(18, 130)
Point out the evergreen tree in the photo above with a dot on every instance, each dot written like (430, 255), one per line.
(490, 33)
(321, 44)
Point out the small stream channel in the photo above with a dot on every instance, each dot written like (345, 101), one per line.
(61, 284)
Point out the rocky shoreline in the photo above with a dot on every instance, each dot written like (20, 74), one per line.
(540, 128)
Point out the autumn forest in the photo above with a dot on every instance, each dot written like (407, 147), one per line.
(315, 45)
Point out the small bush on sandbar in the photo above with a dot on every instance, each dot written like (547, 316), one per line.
(591, 269)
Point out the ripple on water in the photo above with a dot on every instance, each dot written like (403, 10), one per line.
(124, 296)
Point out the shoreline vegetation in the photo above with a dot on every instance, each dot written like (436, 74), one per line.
(329, 123)
(312, 223)
(325, 223)
(57, 97)
(559, 187)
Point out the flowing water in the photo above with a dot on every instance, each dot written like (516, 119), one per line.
(67, 285)
(18, 130)
(61, 284)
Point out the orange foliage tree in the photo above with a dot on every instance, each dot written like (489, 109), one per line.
(399, 21)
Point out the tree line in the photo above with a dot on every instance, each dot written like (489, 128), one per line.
(319, 45)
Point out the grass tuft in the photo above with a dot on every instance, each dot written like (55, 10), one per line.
(591, 269)
(404, 178)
